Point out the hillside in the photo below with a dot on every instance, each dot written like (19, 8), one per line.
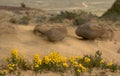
(22, 38)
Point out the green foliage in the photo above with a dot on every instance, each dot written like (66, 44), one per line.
(24, 20)
(23, 5)
(13, 20)
(83, 18)
(15, 62)
(56, 63)
(64, 15)
(79, 21)
(78, 18)
(40, 19)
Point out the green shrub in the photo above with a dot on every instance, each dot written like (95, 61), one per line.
(13, 20)
(56, 63)
(79, 21)
(83, 18)
(40, 19)
(23, 5)
(24, 20)
(64, 15)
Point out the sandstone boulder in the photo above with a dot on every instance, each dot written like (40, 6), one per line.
(90, 30)
(56, 34)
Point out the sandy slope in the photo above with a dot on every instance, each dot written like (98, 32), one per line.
(29, 44)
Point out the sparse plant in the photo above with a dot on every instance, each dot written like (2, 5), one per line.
(83, 18)
(24, 20)
(64, 15)
(23, 5)
(13, 20)
(3, 72)
(15, 61)
(37, 63)
(41, 19)
(57, 63)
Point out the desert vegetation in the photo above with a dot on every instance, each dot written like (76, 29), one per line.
(68, 32)
(54, 62)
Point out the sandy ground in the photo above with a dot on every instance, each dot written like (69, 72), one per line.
(29, 44)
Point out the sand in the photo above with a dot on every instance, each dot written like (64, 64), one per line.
(29, 44)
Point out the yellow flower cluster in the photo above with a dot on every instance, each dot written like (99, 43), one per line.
(87, 60)
(101, 61)
(11, 67)
(71, 59)
(37, 61)
(14, 58)
(4, 72)
(46, 59)
(54, 62)
(54, 58)
(110, 64)
(14, 53)
(80, 67)
(65, 65)
(78, 57)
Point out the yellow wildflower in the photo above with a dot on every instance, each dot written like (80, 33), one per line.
(63, 59)
(71, 59)
(110, 64)
(101, 61)
(4, 72)
(84, 69)
(37, 59)
(11, 68)
(46, 60)
(75, 63)
(55, 57)
(11, 65)
(78, 70)
(80, 65)
(65, 64)
(87, 59)
(77, 57)
(7, 58)
(36, 66)
(14, 53)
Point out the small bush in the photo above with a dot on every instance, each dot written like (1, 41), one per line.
(23, 5)
(83, 18)
(40, 19)
(79, 21)
(24, 20)
(13, 20)
(57, 63)
(64, 15)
